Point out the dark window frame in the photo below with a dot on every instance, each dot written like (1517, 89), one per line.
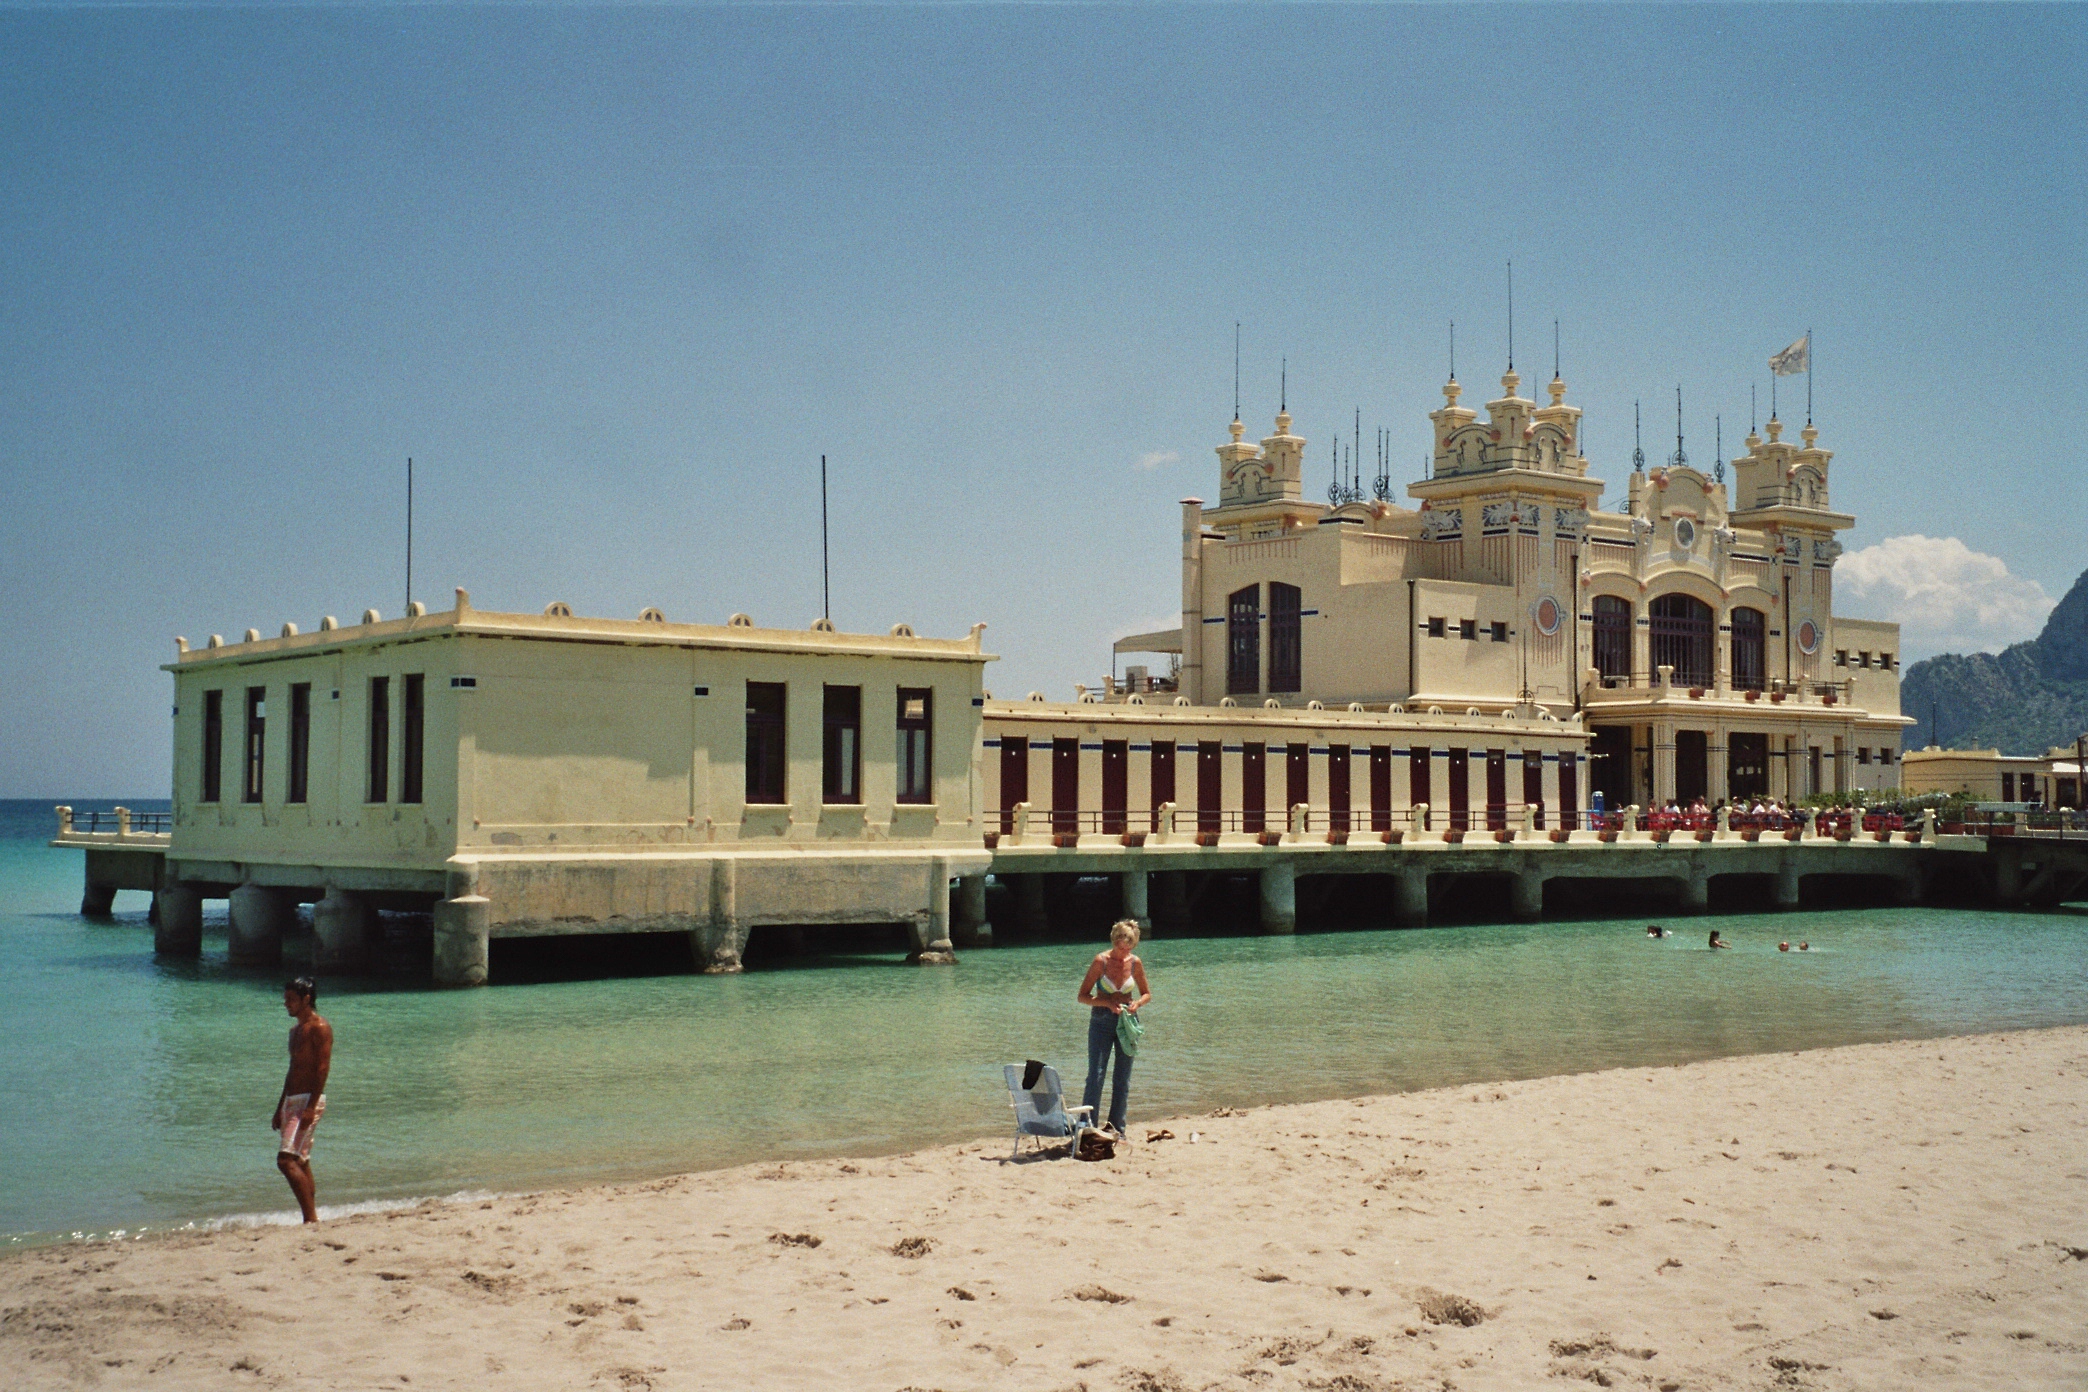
(253, 764)
(1243, 641)
(300, 781)
(841, 745)
(1611, 626)
(377, 770)
(767, 754)
(1750, 665)
(1161, 776)
(1682, 629)
(916, 747)
(1286, 638)
(413, 737)
(213, 753)
(1254, 787)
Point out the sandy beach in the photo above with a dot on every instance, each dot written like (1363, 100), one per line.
(1879, 1216)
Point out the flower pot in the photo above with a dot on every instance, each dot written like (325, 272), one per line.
(1606, 837)
(1065, 840)
(1454, 837)
(1829, 700)
(1502, 838)
(1272, 838)
(1393, 838)
(1207, 838)
(1751, 834)
(992, 839)
(1696, 693)
(1660, 838)
(1776, 696)
(1558, 838)
(1134, 838)
(1337, 838)
(1794, 833)
(1704, 835)
(1754, 696)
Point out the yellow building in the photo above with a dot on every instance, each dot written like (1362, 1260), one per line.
(1693, 638)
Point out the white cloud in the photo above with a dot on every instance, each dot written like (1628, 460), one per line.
(1945, 596)
(1157, 458)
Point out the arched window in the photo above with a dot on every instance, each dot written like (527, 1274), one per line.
(1750, 648)
(1613, 637)
(1681, 629)
(1286, 638)
(1243, 642)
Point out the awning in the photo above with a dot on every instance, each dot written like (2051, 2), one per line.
(1167, 640)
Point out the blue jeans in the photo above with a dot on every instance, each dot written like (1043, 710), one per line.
(1102, 1042)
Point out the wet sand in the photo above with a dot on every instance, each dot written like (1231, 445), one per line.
(1886, 1215)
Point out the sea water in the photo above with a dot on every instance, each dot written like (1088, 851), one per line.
(136, 1094)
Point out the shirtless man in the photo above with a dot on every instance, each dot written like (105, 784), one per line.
(303, 1102)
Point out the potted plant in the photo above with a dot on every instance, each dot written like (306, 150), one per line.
(1696, 693)
(1065, 840)
(1753, 696)
(1558, 836)
(1606, 837)
(1829, 699)
(1793, 833)
(1393, 836)
(1705, 835)
(1453, 838)
(1660, 838)
(1776, 696)
(1502, 838)
(1751, 834)
(992, 839)
(1337, 838)
(1270, 837)
(1134, 838)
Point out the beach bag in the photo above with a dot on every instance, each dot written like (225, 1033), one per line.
(1094, 1144)
(1129, 1032)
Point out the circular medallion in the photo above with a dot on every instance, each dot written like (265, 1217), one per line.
(1685, 533)
(1545, 614)
(1808, 638)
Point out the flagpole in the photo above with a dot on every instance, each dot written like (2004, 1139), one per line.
(1808, 376)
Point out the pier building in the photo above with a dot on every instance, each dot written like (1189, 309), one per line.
(1693, 636)
(528, 774)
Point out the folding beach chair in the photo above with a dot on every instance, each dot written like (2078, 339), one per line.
(1041, 1110)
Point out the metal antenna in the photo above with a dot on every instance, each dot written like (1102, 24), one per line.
(1808, 376)
(1718, 426)
(1555, 348)
(1680, 458)
(1236, 369)
(1283, 388)
(826, 587)
(1511, 316)
(1453, 350)
(1750, 408)
(409, 533)
(1638, 451)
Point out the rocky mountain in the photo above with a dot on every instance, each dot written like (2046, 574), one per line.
(2022, 700)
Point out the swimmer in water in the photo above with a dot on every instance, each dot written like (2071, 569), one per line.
(1717, 941)
(1654, 930)
(1783, 947)
(1805, 947)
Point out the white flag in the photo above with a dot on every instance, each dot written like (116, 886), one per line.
(1794, 359)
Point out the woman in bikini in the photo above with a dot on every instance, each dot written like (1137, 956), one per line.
(1115, 982)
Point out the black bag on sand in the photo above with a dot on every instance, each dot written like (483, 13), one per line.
(1094, 1143)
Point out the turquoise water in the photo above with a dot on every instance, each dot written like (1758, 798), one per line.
(135, 1095)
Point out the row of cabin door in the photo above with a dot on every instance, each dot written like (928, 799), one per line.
(1254, 812)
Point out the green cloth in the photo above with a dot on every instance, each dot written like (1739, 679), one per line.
(1129, 1032)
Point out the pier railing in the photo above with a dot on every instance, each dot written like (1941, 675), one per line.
(119, 824)
(2062, 824)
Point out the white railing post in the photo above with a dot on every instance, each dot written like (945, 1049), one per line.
(1297, 818)
(64, 820)
(1420, 814)
(123, 821)
(1167, 819)
(1022, 812)
(1928, 826)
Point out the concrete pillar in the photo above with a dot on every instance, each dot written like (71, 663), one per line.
(1526, 895)
(2008, 875)
(1695, 896)
(720, 942)
(968, 925)
(1279, 899)
(1131, 899)
(932, 929)
(179, 932)
(1786, 894)
(1410, 898)
(260, 916)
(342, 925)
(1170, 895)
(95, 899)
(463, 940)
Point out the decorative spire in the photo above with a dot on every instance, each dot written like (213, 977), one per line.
(1681, 460)
(1236, 376)
(1638, 450)
(1718, 426)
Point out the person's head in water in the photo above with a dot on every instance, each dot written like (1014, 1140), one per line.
(1805, 947)
(300, 994)
(1716, 941)
(1783, 947)
(1124, 934)
(1652, 930)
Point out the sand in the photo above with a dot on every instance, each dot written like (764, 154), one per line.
(1873, 1217)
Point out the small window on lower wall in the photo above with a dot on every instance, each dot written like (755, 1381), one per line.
(1468, 629)
(1436, 628)
(1500, 632)
(1862, 753)
(842, 745)
(916, 744)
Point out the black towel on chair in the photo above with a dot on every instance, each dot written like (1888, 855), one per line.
(1030, 1071)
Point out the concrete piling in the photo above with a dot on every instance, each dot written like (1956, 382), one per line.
(1279, 899)
(342, 925)
(968, 924)
(96, 900)
(463, 940)
(260, 916)
(1131, 899)
(1410, 898)
(178, 931)
(1526, 896)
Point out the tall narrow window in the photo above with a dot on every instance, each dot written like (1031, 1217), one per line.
(1297, 778)
(378, 787)
(1497, 789)
(1612, 637)
(1065, 786)
(1014, 779)
(1749, 669)
(1163, 776)
(916, 728)
(765, 712)
(1569, 791)
(1286, 639)
(1116, 784)
(1337, 787)
(1459, 774)
(1381, 787)
(256, 744)
(413, 739)
(1209, 785)
(300, 742)
(213, 745)
(841, 745)
(1243, 642)
(1254, 787)
(1417, 778)
(1533, 784)
(1681, 630)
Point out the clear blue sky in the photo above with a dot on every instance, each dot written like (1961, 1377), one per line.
(615, 278)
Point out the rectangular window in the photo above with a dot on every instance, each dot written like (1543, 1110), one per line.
(1065, 786)
(1286, 638)
(1381, 787)
(1841, 657)
(1885, 755)
(413, 739)
(1297, 779)
(1533, 784)
(1163, 776)
(1014, 779)
(841, 745)
(765, 753)
(1497, 789)
(1500, 632)
(1884, 662)
(916, 731)
(1417, 778)
(1116, 785)
(1337, 787)
(213, 744)
(300, 741)
(1436, 628)
(1459, 774)
(1863, 660)
(2008, 787)
(1254, 787)
(256, 743)
(1210, 785)
(1862, 753)
(1569, 792)
(377, 786)
(1468, 629)
(1243, 642)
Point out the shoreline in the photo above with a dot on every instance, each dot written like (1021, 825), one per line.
(14, 1244)
(1738, 1222)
